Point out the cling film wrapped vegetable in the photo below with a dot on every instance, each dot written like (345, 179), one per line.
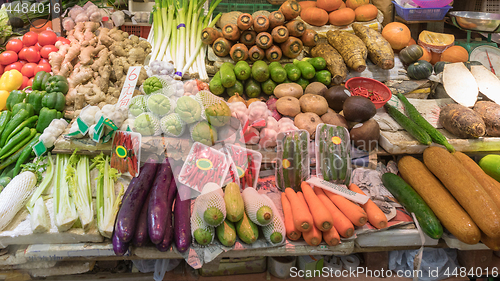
(333, 154)
(292, 159)
(247, 163)
(151, 85)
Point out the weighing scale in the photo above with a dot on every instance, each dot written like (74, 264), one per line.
(477, 22)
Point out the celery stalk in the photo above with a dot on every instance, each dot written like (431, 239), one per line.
(78, 177)
(64, 207)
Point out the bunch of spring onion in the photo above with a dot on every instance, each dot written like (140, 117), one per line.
(176, 34)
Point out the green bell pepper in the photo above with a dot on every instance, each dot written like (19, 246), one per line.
(35, 99)
(26, 106)
(45, 117)
(15, 97)
(57, 83)
(39, 81)
(54, 100)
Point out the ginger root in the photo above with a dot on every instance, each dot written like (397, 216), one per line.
(136, 55)
(81, 76)
(86, 56)
(66, 69)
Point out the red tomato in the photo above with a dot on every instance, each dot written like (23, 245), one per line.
(30, 82)
(63, 40)
(16, 65)
(29, 69)
(47, 37)
(42, 60)
(14, 45)
(47, 49)
(32, 54)
(42, 67)
(8, 57)
(38, 46)
(25, 83)
(23, 62)
(22, 53)
(1, 69)
(30, 38)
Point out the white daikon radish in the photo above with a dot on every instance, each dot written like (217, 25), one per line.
(488, 83)
(15, 195)
(459, 84)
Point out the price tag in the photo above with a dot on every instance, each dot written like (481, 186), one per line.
(129, 86)
(337, 189)
(39, 149)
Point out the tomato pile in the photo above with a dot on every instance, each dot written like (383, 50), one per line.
(363, 92)
(30, 55)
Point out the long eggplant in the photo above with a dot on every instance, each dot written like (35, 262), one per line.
(141, 229)
(158, 202)
(134, 200)
(169, 229)
(119, 247)
(182, 222)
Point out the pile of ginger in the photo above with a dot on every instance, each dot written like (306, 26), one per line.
(96, 64)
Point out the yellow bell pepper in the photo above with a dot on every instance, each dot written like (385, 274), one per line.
(11, 80)
(3, 99)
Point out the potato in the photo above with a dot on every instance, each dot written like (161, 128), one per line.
(288, 90)
(315, 88)
(333, 118)
(288, 106)
(462, 121)
(365, 135)
(313, 103)
(308, 121)
(490, 112)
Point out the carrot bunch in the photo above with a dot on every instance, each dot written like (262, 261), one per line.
(319, 214)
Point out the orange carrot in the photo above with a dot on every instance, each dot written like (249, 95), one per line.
(341, 223)
(302, 218)
(353, 212)
(376, 217)
(331, 237)
(323, 220)
(313, 237)
(291, 231)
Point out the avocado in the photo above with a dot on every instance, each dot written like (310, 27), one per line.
(358, 109)
(335, 96)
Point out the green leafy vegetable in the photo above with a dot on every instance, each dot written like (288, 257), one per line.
(78, 178)
(64, 207)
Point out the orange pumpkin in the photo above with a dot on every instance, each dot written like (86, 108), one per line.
(353, 4)
(342, 17)
(455, 54)
(366, 12)
(398, 35)
(412, 42)
(342, 5)
(427, 56)
(328, 5)
(435, 57)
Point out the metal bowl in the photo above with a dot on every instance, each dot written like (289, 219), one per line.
(476, 21)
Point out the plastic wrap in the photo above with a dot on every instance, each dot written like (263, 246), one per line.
(293, 161)
(333, 154)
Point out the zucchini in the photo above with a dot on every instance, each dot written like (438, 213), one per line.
(286, 179)
(410, 199)
(343, 170)
(324, 165)
(304, 143)
(405, 122)
(291, 169)
(297, 162)
(416, 117)
(331, 150)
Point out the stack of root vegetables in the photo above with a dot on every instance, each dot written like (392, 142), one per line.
(96, 64)
(255, 38)
(337, 12)
(322, 215)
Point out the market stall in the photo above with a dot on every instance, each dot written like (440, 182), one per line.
(303, 129)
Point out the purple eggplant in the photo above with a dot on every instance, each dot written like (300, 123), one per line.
(133, 202)
(158, 202)
(119, 247)
(182, 221)
(169, 230)
(141, 229)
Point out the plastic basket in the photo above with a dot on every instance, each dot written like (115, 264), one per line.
(487, 6)
(245, 6)
(421, 14)
(140, 31)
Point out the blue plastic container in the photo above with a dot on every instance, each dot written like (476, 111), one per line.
(421, 14)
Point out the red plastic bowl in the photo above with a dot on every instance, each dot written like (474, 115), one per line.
(371, 85)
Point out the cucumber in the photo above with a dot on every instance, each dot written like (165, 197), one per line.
(306, 69)
(252, 88)
(260, 71)
(410, 199)
(227, 76)
(415, 116)
(405, 122)
(268, 87)
(297, 161)
(325, 167)
(292, 72)
(318, 63)
(343, 170)
(237, 88)
(333, 156)
(242, 70)
(215, 85)
(277, 72)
